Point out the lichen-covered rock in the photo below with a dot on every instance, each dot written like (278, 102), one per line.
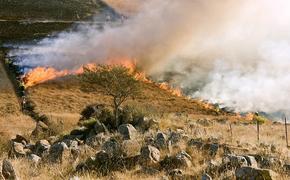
(58, 152)
(145, 123)
(251, 161)
(131, 148)
(97, 140)
(112, 147)
(254, 173)
(149, 155)
(161, 141)
(176, 174)
(182, 160)
(34, 158)
(234, 161)
(127, 131)
(100, 128)
(8, 170)
(41, 147)
(17, 150)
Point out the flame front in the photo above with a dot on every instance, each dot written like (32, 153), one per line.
(41, 74)
(174, 91)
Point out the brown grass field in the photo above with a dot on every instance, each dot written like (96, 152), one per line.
(64, 99)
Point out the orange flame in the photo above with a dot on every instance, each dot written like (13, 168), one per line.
(42, 74)
(173, 91)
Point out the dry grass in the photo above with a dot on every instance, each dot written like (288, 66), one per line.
(62, 101)
(126, 7)
(244, 138)
(12, 121)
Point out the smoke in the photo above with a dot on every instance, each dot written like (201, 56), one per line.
(231, 52)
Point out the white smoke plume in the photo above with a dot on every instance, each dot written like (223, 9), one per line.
(235, 52)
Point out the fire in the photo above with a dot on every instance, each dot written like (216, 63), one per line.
(42, 74)
(249, 116)
(129, 63)
(173, 91)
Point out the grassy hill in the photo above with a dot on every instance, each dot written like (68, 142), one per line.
(29, 19)
(48, 9)
(64, 99)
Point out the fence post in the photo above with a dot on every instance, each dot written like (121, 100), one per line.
(231, 131)
(258, 130)
(286, 132)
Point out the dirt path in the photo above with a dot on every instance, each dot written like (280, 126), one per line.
(12, 121)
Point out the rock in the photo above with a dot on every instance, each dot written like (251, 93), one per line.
(183, 159)
(213, 167)
(197, 143)
(73, 145)
(128, 131)
(161, 141)
(254, 173)
(58, 152)
(145, 123)
(206, 177)
(40, 128)
(41, 147)
(180, 161)
(270, 162)
(94, 111)
(102, 162)
(176, 174)
(286, 168)
(52, 139)
(112, 147)
(211, 148)
(131, 147)
(251, 161)
(97, 140)
(8, 170)
(234, 161)
(20, 139)
(100, 128)
(16, 150)
(149, 155)
(176, 136)
(34, 158)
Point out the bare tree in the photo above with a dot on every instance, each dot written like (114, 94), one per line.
(116, 81)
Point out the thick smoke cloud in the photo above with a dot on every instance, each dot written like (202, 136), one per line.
(235, 52)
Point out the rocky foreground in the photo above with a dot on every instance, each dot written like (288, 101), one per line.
(138, 148)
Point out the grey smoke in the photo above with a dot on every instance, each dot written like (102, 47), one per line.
(231, 52)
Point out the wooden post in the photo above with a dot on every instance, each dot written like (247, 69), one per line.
(286, 132)
(231, 131)
(258, 130)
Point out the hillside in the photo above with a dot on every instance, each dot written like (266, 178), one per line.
(48, 9)
(30, 19)
(46, 134)
(11, 118)
(65, 99)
